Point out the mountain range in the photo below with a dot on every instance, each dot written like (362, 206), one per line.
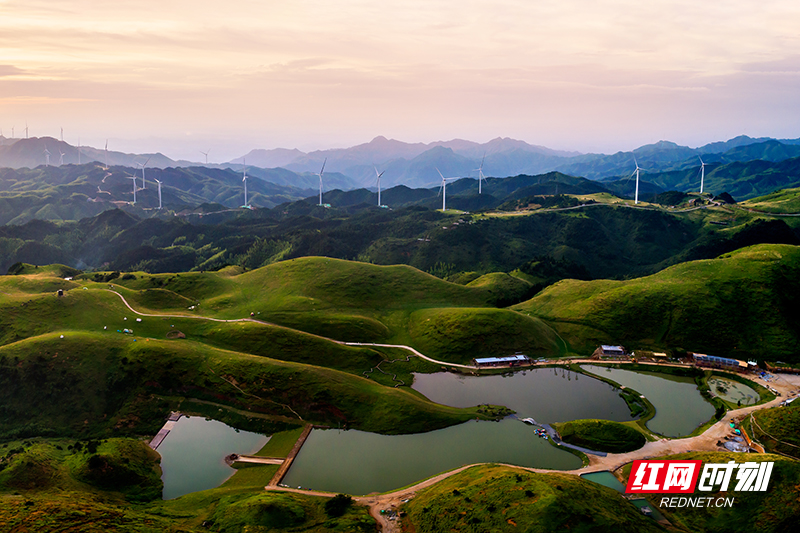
(419, 164)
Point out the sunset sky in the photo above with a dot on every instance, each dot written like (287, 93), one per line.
(180, 76)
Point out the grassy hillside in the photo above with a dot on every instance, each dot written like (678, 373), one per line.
(601, 435)
(349, 301)
(778, 429)
(496, 498)
(776, 510)
(107, 384)
(781, 201)
(744, 304)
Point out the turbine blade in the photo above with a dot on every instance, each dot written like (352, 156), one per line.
(440, 173)
(323, 167)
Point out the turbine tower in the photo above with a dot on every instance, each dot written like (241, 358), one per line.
(26, 130)
(443, 189)
(481, 177)
(46, 156)
(378, 174)
(206, 154)
(702, 173)
(244, 180)
(106, 155)
(636, 196)
(144, 183)
(62, 135)
(159, 192)
(321, 172)
(133, 179)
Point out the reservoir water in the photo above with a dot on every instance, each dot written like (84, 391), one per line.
(732, 391)
(356, 462)
(679, 406)
(193, 454)
(546, 394)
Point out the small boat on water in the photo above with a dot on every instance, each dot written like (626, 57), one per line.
(530, 421)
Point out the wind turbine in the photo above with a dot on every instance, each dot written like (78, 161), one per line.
(26, 130)
(133, 179)
(636, 196)
(46, 156)
(159, 191)
(61, 159)
(702, 173)
(106, 155)
(244, 180)
(206, 154)
(62, 135)
(379, 184)
(321, 172)
(144, 183)
(481, 177)
(443, 189)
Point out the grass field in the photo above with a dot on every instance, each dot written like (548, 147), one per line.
(601, 435)
(743, 304)
(497, 498)
(778, 429)
(781, 201)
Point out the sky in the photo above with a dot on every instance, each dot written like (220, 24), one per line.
(181, 76)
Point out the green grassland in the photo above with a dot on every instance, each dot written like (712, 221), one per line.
(498, 498)
(778, 429)
(744, 303)
(601, 435)
(349, 301)
(775, 510)
(107, 383)
(780, 201)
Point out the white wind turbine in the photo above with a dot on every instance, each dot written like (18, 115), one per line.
(133, 179)
(144, 183)
(46, 157)
(443, 189)
(159, 192)
(321, 172)
(61, 159)
(702, 173)
(62, 135)
(244, 180)
(107, 155)
(206, 154)
(379, 174)
(636, 196)
(481, 177)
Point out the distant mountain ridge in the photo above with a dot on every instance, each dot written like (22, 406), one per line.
(419, 164)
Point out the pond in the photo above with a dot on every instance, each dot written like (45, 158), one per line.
(193, 454)
(679, 406)
(356, 462)
(732, 391)
(545, 394)
(605, 478)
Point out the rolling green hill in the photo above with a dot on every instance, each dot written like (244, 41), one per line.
(780, 201)
(744, 304)
(498, 498)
